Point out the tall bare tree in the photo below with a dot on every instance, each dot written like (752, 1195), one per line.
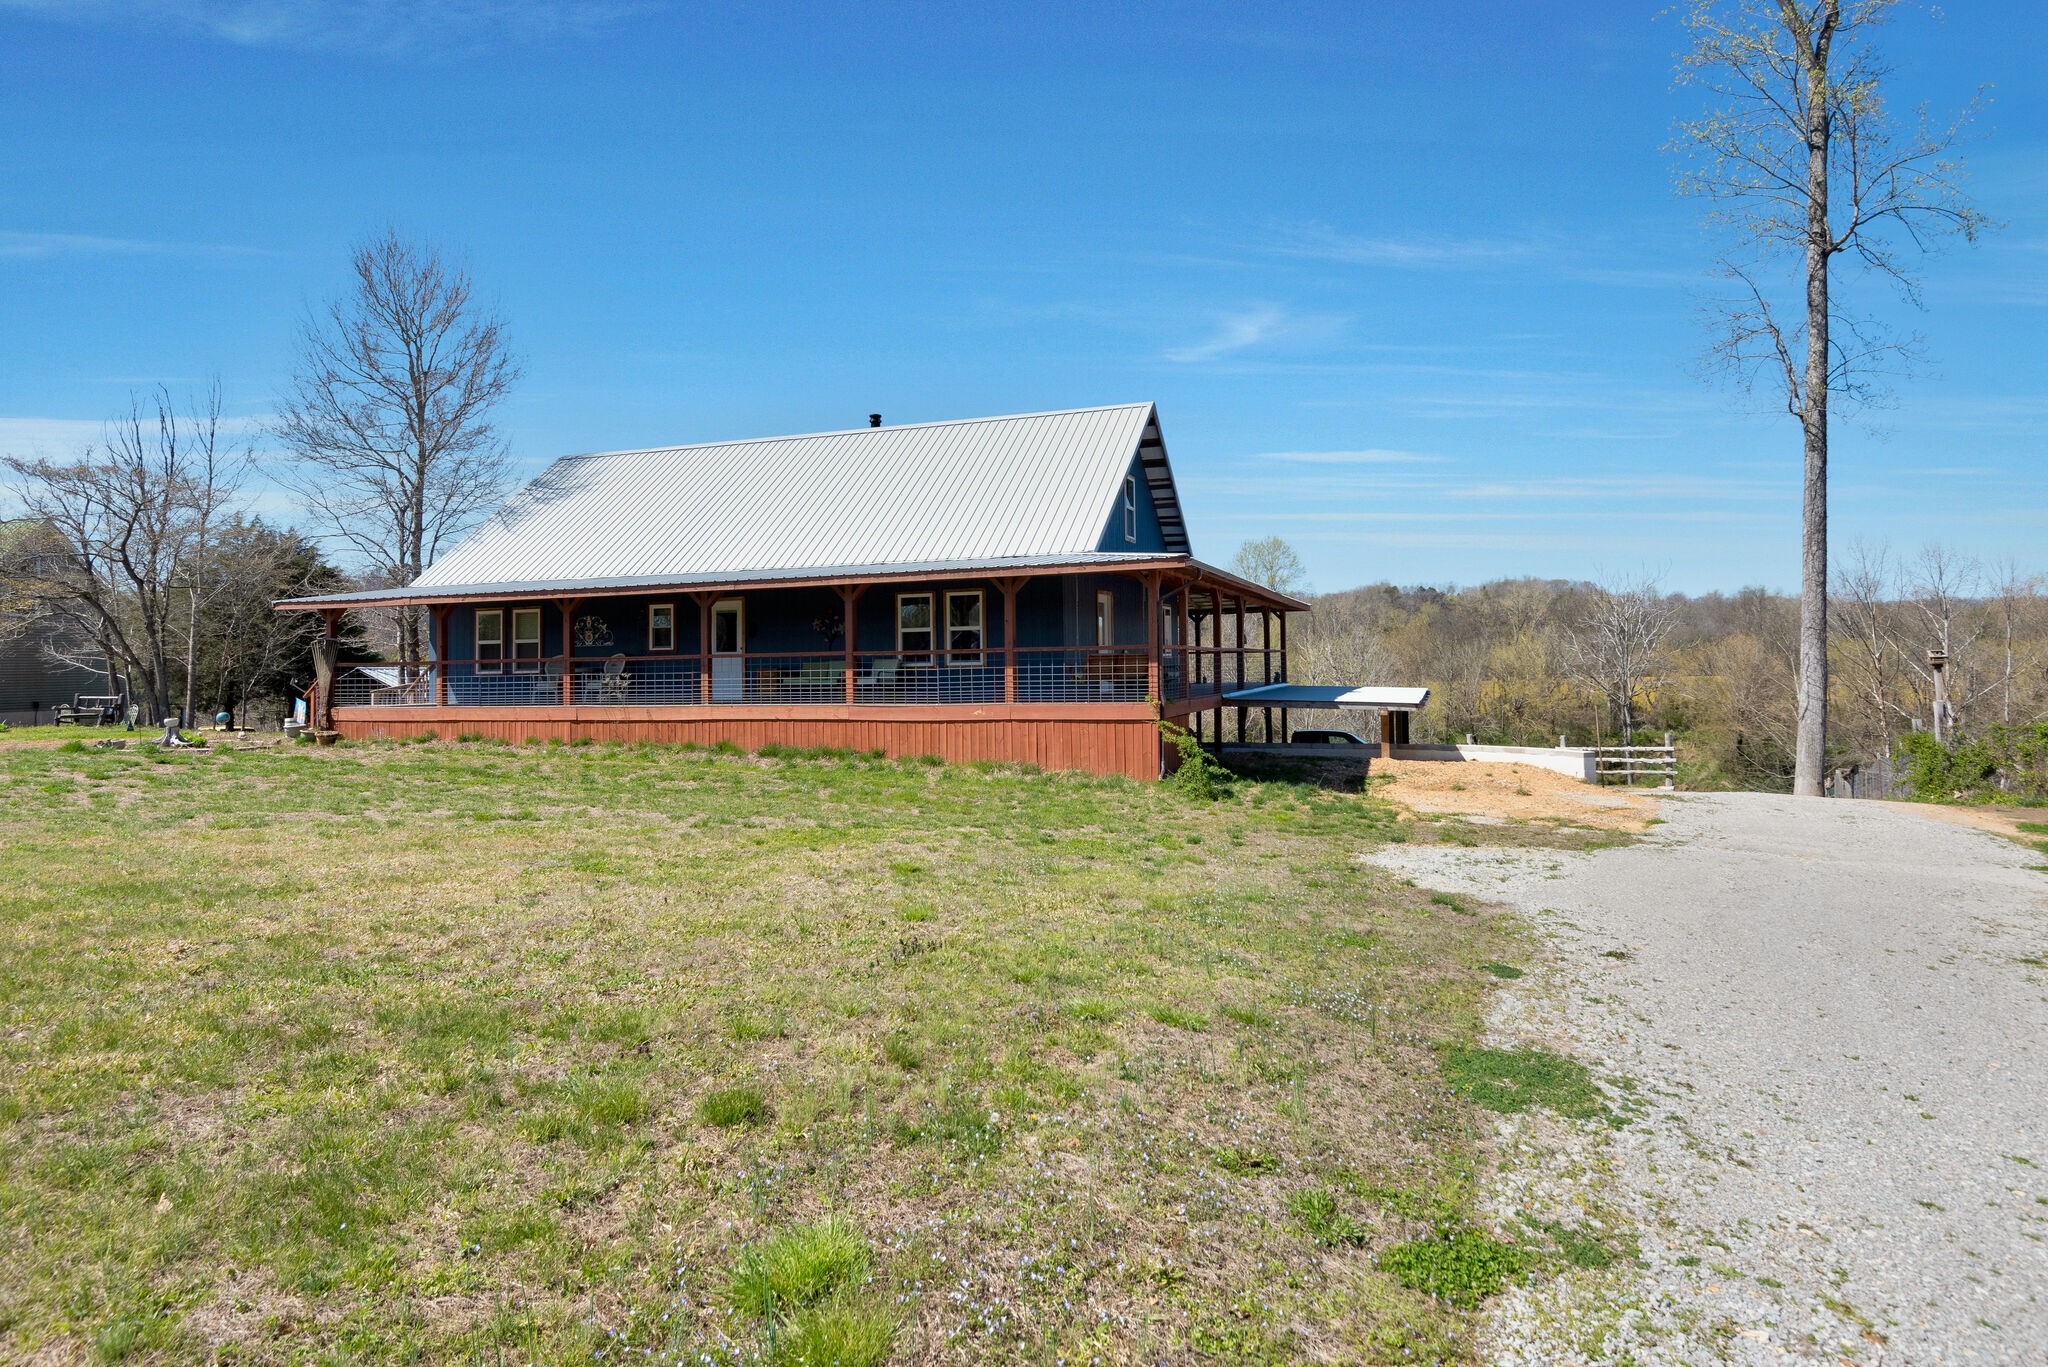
(389, 411)
(1805, 167)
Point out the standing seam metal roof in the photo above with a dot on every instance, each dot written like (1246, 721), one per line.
(1029, 485)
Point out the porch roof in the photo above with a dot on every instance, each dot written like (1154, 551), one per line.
(421, 594)
(1314, 695)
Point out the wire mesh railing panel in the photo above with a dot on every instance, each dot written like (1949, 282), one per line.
(1063, 674)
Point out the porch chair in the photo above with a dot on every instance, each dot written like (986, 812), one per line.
(615, 683)
(882, 678)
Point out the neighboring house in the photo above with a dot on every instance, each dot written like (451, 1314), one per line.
(32, 681)
(1012, 588)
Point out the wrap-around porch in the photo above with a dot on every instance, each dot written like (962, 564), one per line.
(1064, 670)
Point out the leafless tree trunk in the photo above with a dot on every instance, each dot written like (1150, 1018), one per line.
(1800, 158)
(389, 412)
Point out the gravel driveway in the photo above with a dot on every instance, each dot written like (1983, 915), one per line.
(1835, 1019)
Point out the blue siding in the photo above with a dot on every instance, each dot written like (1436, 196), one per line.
(1051, 611)
(1150, 538)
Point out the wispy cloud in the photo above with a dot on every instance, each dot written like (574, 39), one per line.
(20, 245)
(32, 438)
(1653, 487)
(388, 26)
(1320, 242)
(1368, 457)
(65, 438)
(1255, 327)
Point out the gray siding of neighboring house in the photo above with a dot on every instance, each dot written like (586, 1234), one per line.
(31, 684)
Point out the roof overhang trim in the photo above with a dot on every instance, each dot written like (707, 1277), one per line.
(1194, 571)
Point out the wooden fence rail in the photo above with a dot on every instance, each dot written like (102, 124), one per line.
(1627, 763)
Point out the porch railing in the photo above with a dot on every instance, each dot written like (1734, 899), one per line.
(1064, 674)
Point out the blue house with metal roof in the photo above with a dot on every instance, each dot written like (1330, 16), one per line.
(1012, 588)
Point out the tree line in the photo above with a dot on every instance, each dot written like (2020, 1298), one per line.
(143, 550)
(1530, 661)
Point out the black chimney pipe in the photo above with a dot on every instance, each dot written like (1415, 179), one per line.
(874, 419)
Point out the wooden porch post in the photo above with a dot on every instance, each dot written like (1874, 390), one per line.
(704, 601)
(1153, 677)
(1239, 600)
(849, 594)
(1009, 588)
(1283, 674)
(567, 607)
(1266, 664)
(441, 657)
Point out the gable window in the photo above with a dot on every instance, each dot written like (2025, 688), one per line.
(914, 634)
(1130, 507)
(661, 627)
(490, 641)
(1105, 617)
(526, 640)
(963, 629)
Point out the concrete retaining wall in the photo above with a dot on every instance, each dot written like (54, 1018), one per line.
(1574, 762)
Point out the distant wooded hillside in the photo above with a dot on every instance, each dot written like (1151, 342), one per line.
(1524, 661)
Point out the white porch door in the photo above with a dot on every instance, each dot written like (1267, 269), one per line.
(728, 650)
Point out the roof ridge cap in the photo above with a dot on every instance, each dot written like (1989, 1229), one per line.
(850, 431)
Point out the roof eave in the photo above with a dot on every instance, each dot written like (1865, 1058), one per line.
(526, 592)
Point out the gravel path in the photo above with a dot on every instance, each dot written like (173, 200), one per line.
(1835, 1015)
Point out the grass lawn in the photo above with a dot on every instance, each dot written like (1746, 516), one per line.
(473, 1053)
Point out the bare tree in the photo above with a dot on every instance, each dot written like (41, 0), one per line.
(1801, 160)
(389, 411)
(1944, 590)
(1865, 609)
(1617, 649)
(128, 521)
(1272, 562)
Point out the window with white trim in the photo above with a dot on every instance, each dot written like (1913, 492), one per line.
(963, 629)
(661, 627)
(490, 641)
(526, 640)
(914, 628)
(1130, 507)
(1105, 617)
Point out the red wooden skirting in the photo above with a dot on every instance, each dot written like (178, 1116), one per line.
(1099, 738)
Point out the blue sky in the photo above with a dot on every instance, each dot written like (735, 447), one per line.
(1408, 282)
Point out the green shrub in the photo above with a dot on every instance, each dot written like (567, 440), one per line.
(1197, 775)
(1999, 763)
(730, 1106)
